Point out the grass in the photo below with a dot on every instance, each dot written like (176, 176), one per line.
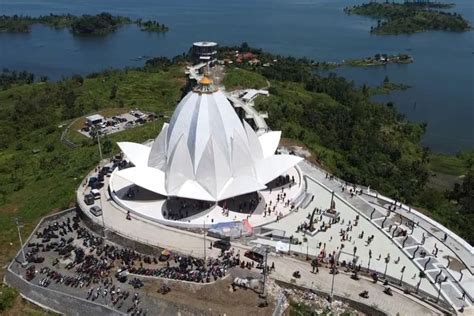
(446, 170)
(18, 305)
(237, 78)
(39, 174)
(450, 165)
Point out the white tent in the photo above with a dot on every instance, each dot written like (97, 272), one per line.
(206, 152)
(282, 246)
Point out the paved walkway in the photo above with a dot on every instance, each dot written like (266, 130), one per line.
(258, 118)
(163, 236)
(344, 286)
(420, 240)
(194, 244)
(330, 240)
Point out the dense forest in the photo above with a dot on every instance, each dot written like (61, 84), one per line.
(358, 140)
(100, 24)
(410, 17)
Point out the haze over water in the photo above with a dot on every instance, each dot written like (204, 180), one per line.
(442, 76)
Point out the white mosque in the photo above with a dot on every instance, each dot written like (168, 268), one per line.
(205, 153)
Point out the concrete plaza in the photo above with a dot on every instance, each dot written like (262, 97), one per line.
(401, 250)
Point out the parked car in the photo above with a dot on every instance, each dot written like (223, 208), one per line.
(252, 255)
(222, 244)
(95, 193)
(89, 199)
(92, 180)
(96, 211)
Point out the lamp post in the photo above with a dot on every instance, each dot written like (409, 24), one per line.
(18, 225)
(332, 283)
(204, 235)
(96, 130)
(332, 200)
(264, 292)
(401, 277)
(370, 257)
(387, 260)
(289, 245)
(102, 215)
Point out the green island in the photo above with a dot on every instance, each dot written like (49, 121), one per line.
(99, 24)
(385, 87)
(347, 134)
(380, 60)
(151, 26)
(410, 17)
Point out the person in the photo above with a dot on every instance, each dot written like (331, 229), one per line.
(273, 266)
(388, 291)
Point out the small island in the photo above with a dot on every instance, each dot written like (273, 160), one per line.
(386, 87)
(100, 24)
(151, 26)
(380, 60)
(410, 17)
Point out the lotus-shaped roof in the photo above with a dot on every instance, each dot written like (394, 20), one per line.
(206, 153)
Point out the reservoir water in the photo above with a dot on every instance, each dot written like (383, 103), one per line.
(442, 76)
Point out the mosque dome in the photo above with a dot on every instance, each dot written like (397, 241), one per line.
(206, 152)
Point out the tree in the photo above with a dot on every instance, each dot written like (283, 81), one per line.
(365, 90)
(244, 47)
(49, 148)
(113, 92)
(107, 146)
(77, 79)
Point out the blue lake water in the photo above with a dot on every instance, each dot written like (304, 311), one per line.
(442, 76)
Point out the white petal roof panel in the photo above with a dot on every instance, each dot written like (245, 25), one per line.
(254, 143)
(136, 153)
(206, 172)
(157, 157)
(240, 185)
(192, 190)
(180, 167)
(149, 178)
(271, 167)
(269, 142)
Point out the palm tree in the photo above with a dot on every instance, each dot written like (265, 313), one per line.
(421, 275)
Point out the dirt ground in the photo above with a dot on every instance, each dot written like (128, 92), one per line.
(292, 144)
(213, 299)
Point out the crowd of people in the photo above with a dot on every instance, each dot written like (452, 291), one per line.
(180, 208)
(187, 268)
(65, 253)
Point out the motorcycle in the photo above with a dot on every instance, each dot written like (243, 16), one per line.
(388, 291)
(364, 294)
